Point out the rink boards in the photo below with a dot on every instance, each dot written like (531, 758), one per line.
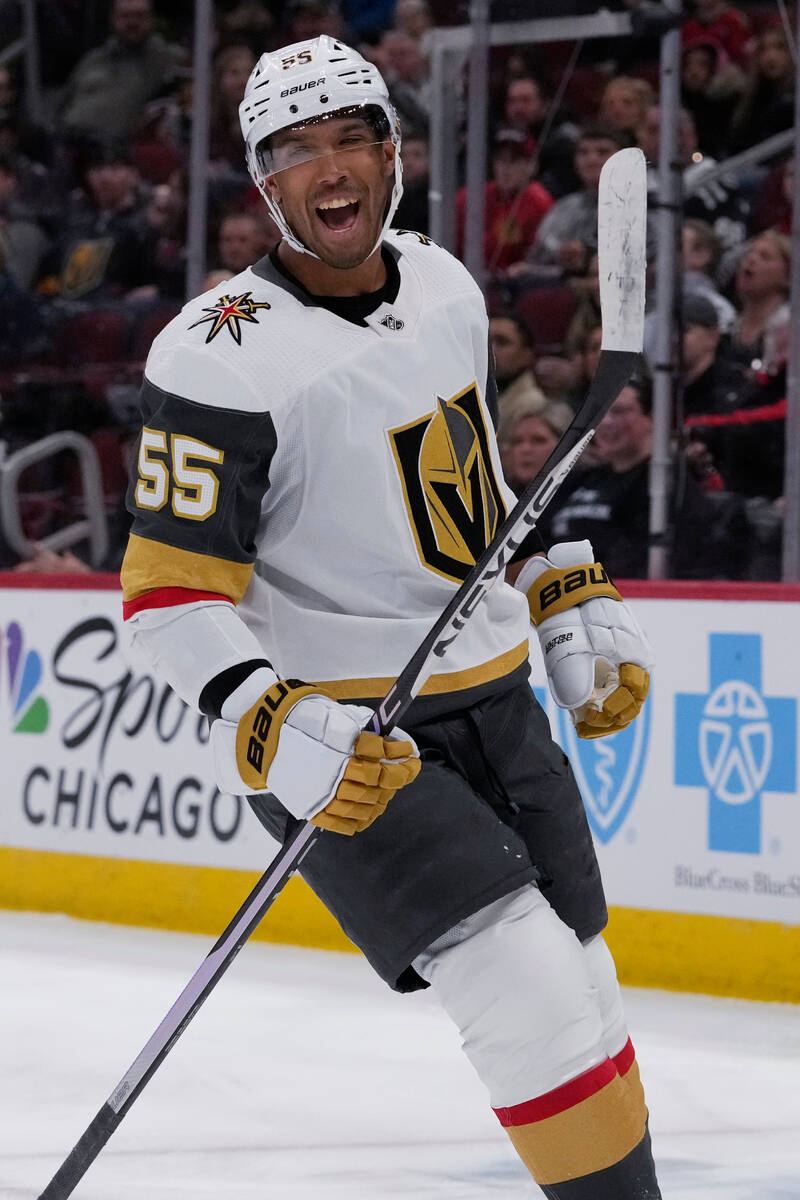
(109, 811)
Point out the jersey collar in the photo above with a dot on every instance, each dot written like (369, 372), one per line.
(350, 308)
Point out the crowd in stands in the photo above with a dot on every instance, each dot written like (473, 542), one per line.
(93, 256)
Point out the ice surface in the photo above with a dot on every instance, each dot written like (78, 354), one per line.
(303, 1076)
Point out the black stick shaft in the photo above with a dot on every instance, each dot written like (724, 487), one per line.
(82, 1155)
(205, 978)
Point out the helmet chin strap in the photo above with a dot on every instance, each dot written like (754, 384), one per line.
(289, 236)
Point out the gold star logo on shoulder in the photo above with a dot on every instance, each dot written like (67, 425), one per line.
(228, 313)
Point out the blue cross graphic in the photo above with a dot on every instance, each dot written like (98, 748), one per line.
(736, 742)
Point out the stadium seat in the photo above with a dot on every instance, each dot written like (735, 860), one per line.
(584, 92)
(148, 327)
(548, 311)
(97, 336)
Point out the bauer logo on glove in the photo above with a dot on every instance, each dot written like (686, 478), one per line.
(597, 658)
(292, 739)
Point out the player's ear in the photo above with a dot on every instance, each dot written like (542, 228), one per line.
(389, 154)
(271, 184)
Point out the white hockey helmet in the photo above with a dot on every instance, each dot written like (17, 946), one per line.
(309, 81)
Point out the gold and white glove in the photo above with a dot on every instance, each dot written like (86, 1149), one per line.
(292, 739)
(597, 658)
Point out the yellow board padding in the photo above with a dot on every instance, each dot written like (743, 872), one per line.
(685, 952)
(721, 956)
(160, 895)
(434, 685)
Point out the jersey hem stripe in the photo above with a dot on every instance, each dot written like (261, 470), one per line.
(436, 685)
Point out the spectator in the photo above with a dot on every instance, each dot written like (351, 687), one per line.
(407, 78)
(101, 252)
(775, 201)
(767, 106)
(609, 503)
(414, 18)
(232, 67)
(18, 135)
(584, 355)
(739, 443)
(214, 280)
(367, 20)
(727, 26)
(247, 23)
(514, 358)
(525, 107)
(243, 240)
(23, 241)
(711, 383)
(66, 30)
(567, 237)
(47, 562)
(20, 318)
(710, 85)
(513, 205)
(587, 313)
(720, 205)
(700, 254)
(412, 211)
(527, 434)
(551, 135)
(762, 293)
(109, 87)
(163, 223)
(161, 140)
(624, 103)
(307, 19)
(37, 194)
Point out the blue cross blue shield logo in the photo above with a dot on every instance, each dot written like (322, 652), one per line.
(736, 742)
(608, 770)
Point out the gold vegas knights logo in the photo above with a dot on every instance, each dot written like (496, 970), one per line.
(452, 497)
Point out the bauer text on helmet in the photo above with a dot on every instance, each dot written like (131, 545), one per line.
(320, 107)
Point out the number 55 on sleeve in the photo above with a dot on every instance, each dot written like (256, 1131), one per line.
(201, 475)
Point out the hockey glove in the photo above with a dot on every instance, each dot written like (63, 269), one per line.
(293, 740)
(596, 656)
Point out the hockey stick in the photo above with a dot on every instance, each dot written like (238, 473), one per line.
(621, 249)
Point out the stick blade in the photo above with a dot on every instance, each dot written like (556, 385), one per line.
(621, 249)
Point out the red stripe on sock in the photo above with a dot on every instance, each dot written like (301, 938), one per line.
(168, 597)
(561, 1098)
(625, 1059)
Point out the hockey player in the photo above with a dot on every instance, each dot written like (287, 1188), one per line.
(317, 472)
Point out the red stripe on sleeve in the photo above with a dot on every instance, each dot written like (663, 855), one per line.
(624, 1060)
(168, 597)
(560, 1099)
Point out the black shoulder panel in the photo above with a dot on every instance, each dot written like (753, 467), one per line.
(201, 475)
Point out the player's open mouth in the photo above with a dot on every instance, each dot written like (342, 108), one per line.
(338, 215)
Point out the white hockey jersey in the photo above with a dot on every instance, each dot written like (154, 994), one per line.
(334, 475)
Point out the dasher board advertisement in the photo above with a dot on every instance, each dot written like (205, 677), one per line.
(694, 808)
